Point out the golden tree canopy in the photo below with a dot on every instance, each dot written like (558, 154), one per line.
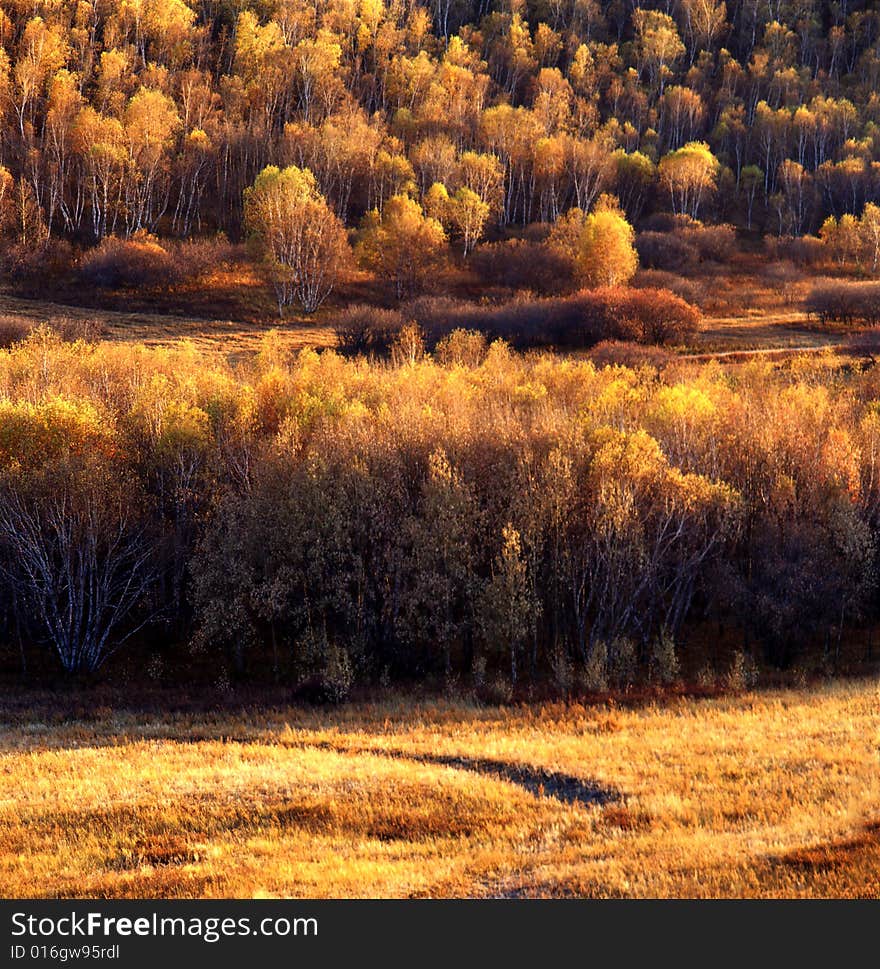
(401, 243)
(302, 242)
(599, 245)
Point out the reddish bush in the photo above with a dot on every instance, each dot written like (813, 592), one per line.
(88, 329)
(522, 264)
(785, 279)
(865, 345)
(521, 322)
(197, 257)
(659, 316)
(665, 250)
(69, 328)
(712, 242)
(686, 244)
(650, 316)
(13, 331)
(622, 353)
(690, 290)
(367, 330)
(577, 321)
(29, 264)
(845, 302)
(801, 250)
(129, 263)
(667, 222)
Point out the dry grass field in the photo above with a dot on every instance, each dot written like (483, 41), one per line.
(763, 794)
(236, 339)
(743, 314)
(763, 331)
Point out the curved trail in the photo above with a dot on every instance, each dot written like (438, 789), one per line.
(760, 351)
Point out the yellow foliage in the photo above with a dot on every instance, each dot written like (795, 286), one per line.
(600, 246)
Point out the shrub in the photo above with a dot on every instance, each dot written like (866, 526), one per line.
(326, 676)
(577, 321)
(87, 329)
(367, 330)
(664, 250)
(523, 322)
(13, 331)
(784, 278)
(70, 329)
(592, 316)
(665, 222)
(562, 671)
(801, 250)
(713, 242)
(690, 290)
(623, 353)
(647, 316)
(129, 263)
(496, 691)
(459, 331)
(438, 316)
(845, 302)
(594, 676)
(463, 348)
(865, 345)
(622, 662)
(37, 264)
(664, 659)
(614, 664)
(659, 316)
(685, 244)
(743, 673)
(522, 264)
(198, 257)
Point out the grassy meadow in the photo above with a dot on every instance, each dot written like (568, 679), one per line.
(760, 794)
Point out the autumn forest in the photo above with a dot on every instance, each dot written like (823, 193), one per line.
(150, 116)
(442, 188)
(439, 448)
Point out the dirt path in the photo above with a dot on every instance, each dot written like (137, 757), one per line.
(771, 352)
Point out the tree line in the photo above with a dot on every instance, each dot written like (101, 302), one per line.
(156, 115)
(471, 513)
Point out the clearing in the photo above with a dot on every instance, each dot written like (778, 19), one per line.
(763, 794)
(235, 338)
(756, 324)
